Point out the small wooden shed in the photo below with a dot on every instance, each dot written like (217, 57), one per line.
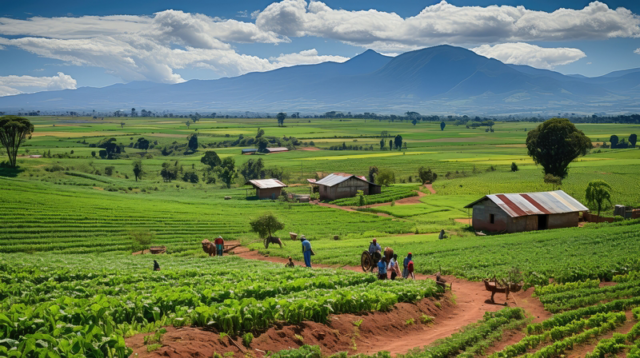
(342, 185)
(525, 212)
(267, 188)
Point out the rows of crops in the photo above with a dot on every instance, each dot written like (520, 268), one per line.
(567, 255)
(388, 194)
(64, 305)
(36, 218)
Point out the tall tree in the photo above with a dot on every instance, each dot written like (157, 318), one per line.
(262, 145)
(398, 142)
(211, 159)
(381, 144)
(227, 171)
(390, 144)
(632, 140)
(386, 177)
(372, 173)
(188, 123)
(137, 169)
(281, 116)
(253, 169)
(427, 175)
(142, 144)
(555, 143)
(442, 125)
(598, 194)
(614, 141)
(193, 142)
(13, 132)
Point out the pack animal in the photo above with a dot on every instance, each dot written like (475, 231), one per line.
(208, 247)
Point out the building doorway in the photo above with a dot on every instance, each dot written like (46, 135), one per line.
(543, 221)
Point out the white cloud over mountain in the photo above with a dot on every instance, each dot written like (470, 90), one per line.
(10, 85)
(154, 47)
(521, 53)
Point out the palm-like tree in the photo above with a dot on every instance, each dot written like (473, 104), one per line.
(598, 193)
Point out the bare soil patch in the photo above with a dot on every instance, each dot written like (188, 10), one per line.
(310, 149)
(430, 188)
(464, 221)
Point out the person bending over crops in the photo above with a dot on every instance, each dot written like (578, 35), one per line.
(405, 264)
(290, 263)
(219, 241)
(156, 266)
(306, 250)
(382, 270)
(393, 267)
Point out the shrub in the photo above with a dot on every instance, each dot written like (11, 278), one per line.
(109, 170)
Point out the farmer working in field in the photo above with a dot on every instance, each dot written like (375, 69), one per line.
(382, 270)
(219, 245)
(306, 250)
(393, 267)
(156, 266)
(290, 263)
(374, 247)
(405, 263)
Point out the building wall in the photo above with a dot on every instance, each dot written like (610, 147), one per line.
(346, 189)
(268, 193)
(563, 220)
(481, 217)
(503, 222)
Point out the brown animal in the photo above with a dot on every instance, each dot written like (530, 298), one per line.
(388, 254)
(209, 247)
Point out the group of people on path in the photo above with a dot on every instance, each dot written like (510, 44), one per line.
(389, 262)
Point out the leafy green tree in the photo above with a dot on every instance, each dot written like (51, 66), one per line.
(211, 159)
(427, 175)
(414, 121)
(190, 176)
(598, 194)
(253, 169)
(514, 167)
(193, 142)
(381, 144)
(227, 171)
(260, 133)
(281, 116)
(169, 171)
(111, 148)
(386, 177)
(266, 225)
(442, 125)
(614, 141)
(373, 170)
(391, 144)
(188, 123)
(632, 140)
(362, 199)
(93, 153)
(142, 144)
(137, 169)
(13, 131)
(262, 143)
(555, 143)
(397, 141)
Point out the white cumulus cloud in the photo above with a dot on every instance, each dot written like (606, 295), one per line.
(521, 53)
(444, 23)
(10, 85)
(637, 51)
(306, 57)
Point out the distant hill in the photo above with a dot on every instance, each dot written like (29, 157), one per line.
(441, 79)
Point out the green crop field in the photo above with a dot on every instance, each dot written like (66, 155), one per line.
(69, 285)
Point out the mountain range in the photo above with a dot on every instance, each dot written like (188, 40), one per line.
(440, 79)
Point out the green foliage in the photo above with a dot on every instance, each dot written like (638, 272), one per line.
(192, 142)
(281, 117)
(211, 159)
(190, 176)
(426, 175)
(247, 338)
(386, 177)
(13, 132)
(598, 194)
(305, 351)
(253, 169)
(227, 171)
(137, 169)
(388, 194)
(170, 171)
(141, 240)
(555, 143)
(266, 225)
(514, 167)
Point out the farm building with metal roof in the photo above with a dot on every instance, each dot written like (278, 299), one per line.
(525, 212)
(249, 150)
(267, 188)
(277, 150)
(342, 185)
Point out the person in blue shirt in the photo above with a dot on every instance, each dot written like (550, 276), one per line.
(306, 250)
(374, 247)
(405, 271)
(382, 270)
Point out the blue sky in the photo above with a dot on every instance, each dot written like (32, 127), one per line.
(69, 44)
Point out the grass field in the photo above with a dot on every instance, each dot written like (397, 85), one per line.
(66, 217)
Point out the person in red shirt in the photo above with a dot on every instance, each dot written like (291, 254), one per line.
(410, 270)
(219, 242)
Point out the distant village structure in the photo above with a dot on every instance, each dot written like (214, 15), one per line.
(526, 212)
(341, 185)
(267, 188)
(269, 150)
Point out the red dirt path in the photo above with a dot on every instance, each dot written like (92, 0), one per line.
(379, 330)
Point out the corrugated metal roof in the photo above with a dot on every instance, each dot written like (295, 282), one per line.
(277, 149)
(549, 202)
(312, 181)
(267, 183)
(337, 178)
(248, 150)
